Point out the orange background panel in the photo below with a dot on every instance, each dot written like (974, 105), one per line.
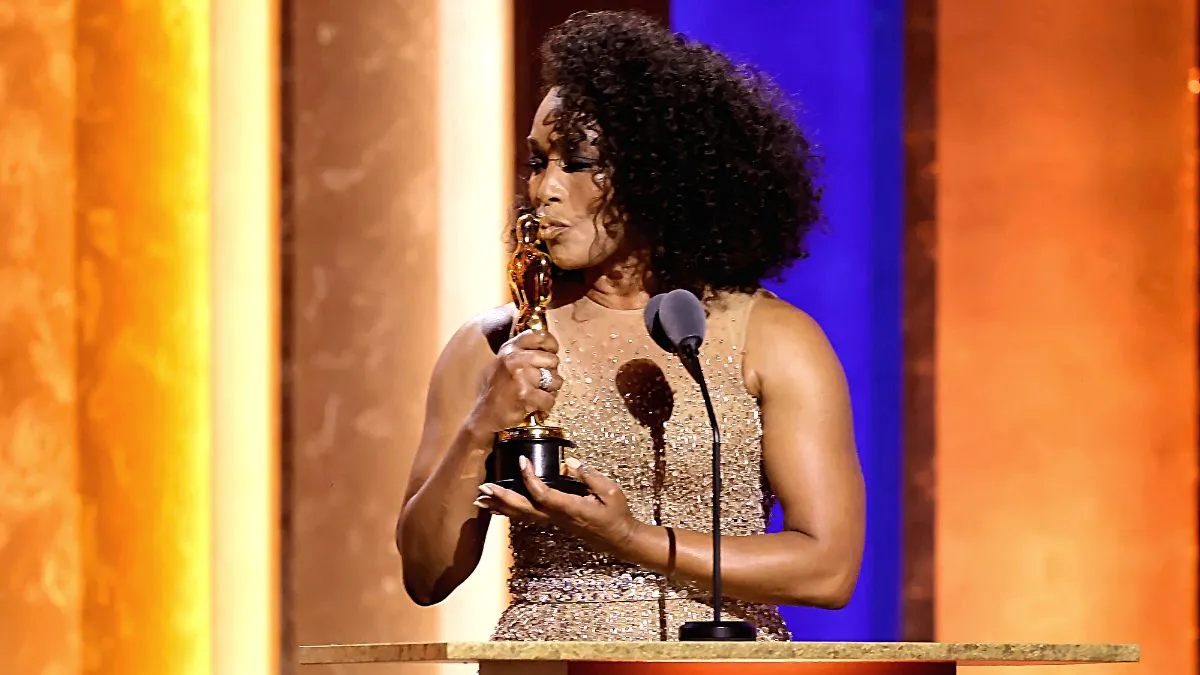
(1066, 423)
(39, 532)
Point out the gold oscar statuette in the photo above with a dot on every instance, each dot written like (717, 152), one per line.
(530, 284)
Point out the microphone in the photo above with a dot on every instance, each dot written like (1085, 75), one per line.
(654, 325)
(676, 322)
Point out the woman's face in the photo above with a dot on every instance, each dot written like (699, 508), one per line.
(567, 189)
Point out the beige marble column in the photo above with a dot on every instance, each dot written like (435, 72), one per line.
(389, 196)
(363, 159)
(1066, 358)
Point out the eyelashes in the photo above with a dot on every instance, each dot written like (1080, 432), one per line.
(573, 165)
(576, 164)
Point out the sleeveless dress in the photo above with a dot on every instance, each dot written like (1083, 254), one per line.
(638, 417)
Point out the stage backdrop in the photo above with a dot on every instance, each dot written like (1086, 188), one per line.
(842, 63)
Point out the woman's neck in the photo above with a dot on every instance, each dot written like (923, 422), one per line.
(617, 293)
(621, 284)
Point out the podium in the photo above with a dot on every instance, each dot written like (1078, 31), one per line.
(721, 658)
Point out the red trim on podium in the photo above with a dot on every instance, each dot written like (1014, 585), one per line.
(761, 668)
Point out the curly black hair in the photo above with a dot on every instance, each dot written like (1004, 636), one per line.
(704, 156)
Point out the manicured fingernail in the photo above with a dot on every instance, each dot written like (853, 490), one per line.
(486, 489)
(523, 462)
(573, 464)
(482, 503)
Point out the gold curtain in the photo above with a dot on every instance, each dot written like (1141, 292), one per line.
(107, 365)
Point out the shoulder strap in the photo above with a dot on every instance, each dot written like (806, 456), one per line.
(729, 317)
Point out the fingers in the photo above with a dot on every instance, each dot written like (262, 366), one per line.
(496, 507)
(524, 357)
(605, 488)
(542, 495)
(531, 376)
(531, 341)
(556, 381)
(508, 503)
(539, 340)
(528, 380)
(526, 366)
(514, 360)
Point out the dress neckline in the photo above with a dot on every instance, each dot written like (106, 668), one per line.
(585, 309)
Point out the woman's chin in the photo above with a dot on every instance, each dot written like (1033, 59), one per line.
(564, 260)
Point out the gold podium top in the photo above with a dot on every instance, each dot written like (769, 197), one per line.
(962, 653)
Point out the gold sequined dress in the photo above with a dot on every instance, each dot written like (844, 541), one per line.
(637, 416)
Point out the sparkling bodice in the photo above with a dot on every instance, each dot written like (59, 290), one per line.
(638, 417)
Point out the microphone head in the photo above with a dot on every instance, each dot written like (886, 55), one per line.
(682, 318)
(654, 325)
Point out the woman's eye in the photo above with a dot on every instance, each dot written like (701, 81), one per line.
(578, 164)
(538, 164)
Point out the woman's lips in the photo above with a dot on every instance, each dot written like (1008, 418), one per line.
(549, 230)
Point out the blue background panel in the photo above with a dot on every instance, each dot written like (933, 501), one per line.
(841, 62)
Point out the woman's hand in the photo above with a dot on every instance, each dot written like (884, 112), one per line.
(515, 384)
(602, 518)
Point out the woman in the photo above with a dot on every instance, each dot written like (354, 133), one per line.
(655, 164)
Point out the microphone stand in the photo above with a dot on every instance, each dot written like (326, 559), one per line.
(715, 630)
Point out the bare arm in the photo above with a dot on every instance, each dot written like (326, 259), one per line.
(473, 394)
(440, 535)
(811, 462)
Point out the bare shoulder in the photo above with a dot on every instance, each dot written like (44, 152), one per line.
(482, 329)
(772, 317)
(495, 325)
(470, 348)
(783, 342)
